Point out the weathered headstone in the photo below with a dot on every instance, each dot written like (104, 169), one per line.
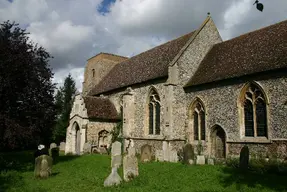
(53, 145)
(210, 161)
(43, 166)
(146, 153)
(130, 165)
(200, 160)
(62, 146)
(188, 153)
(87, 148)
(113, 178)
(244, 158)
(116, 154)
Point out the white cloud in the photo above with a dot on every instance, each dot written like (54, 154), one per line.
(73, 31)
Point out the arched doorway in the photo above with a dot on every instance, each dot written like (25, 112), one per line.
(218, 142)
(77, 138)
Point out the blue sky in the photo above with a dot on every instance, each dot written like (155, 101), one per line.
(104, 8)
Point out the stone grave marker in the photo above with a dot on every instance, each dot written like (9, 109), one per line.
(116, 154)
(53, 145)
(43, 166)
(200, 160)
(113, 178)
(210, 161)
(130, 165)
(146, 153)
(188, 154)
(244, 158)
(62, 146)
(87, 148)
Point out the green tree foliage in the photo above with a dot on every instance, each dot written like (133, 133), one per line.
(64, 102)
(27, 110)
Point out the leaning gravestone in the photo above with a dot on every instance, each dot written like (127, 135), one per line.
(87, 148)
(188, 154)
(146, 153)
(43, 166)
(53, 145)
(244, 158)
(116, 153)
(62, 146)
(130, 165)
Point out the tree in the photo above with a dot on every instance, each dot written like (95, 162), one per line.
(64, 102)
(26, 90)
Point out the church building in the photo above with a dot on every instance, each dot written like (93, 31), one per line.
(195, 89)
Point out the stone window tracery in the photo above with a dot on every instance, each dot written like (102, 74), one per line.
(154, 113)
(255, 112)
(198, 119)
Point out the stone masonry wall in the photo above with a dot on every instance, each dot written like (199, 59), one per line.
(221, 104)
(95, 127)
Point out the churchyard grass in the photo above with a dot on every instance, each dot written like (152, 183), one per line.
(87, 173)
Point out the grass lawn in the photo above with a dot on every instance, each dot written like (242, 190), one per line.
(87, 173)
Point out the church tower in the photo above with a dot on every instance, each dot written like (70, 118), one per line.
(97, 67)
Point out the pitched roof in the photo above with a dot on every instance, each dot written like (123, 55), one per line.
(145, 66)
(257, 51)
(100, 108)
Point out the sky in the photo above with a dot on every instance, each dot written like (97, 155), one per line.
(75, 30)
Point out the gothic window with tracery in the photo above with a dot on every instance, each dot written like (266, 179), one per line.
(154, 113)
(255, 118)
(198, 117)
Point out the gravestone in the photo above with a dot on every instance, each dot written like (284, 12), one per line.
(113, 178)
(116, 155)
(130, 165)
(53, 145)
(146, 153)
(43, 166)
(188, 154)
(244, 158)
(87, 148)
(62, 146)
(200, 160)
(210, 161)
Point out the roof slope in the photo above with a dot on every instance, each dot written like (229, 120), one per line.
(146, 66)
(100, 108)
(257, 51)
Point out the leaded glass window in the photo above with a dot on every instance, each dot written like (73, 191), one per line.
(198, 118)
(255, 118)
(154, 113)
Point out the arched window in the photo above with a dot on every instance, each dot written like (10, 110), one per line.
(93, 72)
(154, 113)
(198, 119)
(254, 105)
